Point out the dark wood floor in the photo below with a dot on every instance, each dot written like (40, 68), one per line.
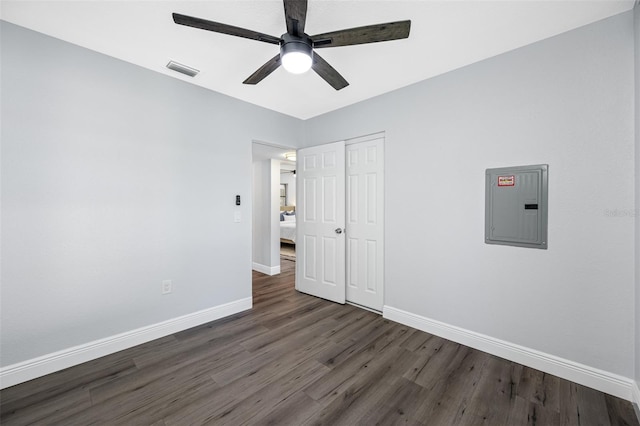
(295, 360)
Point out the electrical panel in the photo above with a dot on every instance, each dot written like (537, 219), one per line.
(516, 206)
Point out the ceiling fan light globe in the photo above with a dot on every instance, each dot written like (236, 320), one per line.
(296, 62)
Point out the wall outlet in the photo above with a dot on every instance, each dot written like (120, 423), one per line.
(167, 286)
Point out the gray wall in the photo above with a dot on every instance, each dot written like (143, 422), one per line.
(637, 211)
(566, 101)
(115, 178)
(266, 226)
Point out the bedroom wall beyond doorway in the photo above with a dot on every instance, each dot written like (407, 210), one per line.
(266, 202)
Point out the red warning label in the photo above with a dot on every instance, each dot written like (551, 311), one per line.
(506, 180)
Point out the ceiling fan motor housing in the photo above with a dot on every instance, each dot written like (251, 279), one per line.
(290, 43)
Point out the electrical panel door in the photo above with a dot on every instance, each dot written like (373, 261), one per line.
(516, 206)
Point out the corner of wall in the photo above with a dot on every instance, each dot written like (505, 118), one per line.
(268, 270)
(636, 14)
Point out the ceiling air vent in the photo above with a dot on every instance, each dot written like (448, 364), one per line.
(191, 72)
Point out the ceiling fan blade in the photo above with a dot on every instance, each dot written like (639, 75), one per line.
(217, 27)
(270, 66)
(328, 73)
(362, 35)
(295, 12)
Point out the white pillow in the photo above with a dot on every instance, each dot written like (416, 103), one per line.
(288, 218)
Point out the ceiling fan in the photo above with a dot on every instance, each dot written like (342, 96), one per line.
(297, 49)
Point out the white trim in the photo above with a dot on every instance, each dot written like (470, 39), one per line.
(46, 364)
(636, 398)
(365, 138)
(274, 145)
(269, 270)
(358, 139)
(604, 381)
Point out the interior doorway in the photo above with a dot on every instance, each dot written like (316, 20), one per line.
(272, 167)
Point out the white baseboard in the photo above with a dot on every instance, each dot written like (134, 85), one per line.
(604, 381)
(269, 270)
(636, 398)
(43, 365)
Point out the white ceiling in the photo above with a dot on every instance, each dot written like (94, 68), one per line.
(445, 35)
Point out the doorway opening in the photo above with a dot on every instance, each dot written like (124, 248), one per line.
(273, 211)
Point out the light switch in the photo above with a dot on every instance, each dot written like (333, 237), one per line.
(237, 217)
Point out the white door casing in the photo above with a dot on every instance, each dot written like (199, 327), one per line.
(320, 239)
(364, 223)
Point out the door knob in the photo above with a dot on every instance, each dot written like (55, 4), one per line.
(338, 231)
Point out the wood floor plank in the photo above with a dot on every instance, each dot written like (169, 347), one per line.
(157, 410)
(337, 352)
(492, 398)
(147, 403)
(295, 359)
(359, 321)
(398, 405)
(226, 405)
(415, 339)
(289, 316)
(55, 386)
(569, 413)
(332, 384)
(540, 388)
(453, 393)
(206, 345)
(444, 357)
(52, 410)
(253, 380)
(432, 345)
(295, 409)
(529, 413)
(592, 407)
(367, 391)
(334, 353)
(272, 394)
(298, 327)
(302, 341)
(620, 413)
(256, 375)
(206, 362)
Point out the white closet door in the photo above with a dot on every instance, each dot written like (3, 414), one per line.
(320, 240)
(364, 222)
